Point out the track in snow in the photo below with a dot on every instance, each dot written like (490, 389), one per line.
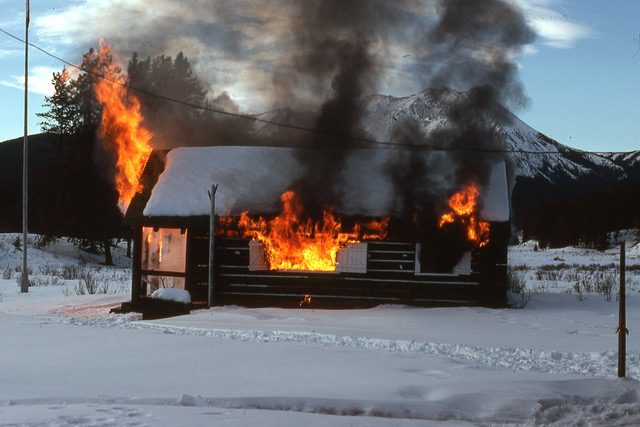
(597, 363)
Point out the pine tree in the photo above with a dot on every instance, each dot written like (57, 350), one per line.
(62, 114)
(175, 79)
(74, 197)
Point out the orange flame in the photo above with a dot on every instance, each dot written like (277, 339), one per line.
(121, 127)
(292, 242)
(463, 206)
(225, 226)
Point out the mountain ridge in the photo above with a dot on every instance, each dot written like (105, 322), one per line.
(535, 155)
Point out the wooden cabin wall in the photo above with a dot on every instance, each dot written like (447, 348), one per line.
(389, 278)
(197, 263)
(491, 264)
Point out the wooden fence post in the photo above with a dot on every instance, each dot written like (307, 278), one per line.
(622, 327)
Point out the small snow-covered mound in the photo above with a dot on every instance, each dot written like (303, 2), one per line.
(172, 294)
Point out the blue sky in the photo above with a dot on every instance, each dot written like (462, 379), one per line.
(588, 94)
(582, 74)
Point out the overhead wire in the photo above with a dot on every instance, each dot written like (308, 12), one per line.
(253, 118)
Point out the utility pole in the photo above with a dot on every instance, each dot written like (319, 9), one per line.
(24, 285)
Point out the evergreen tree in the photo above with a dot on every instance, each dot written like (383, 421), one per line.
(62, 115)
(175, 79)
(75, 197)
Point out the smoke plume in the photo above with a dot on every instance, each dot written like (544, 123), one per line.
(313, 63)
(467, 64)
(337, 42)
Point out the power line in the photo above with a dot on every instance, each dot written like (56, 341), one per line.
(388, 144)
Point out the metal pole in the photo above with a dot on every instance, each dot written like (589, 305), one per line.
(24, 285)
(212, 234)
(622, 322)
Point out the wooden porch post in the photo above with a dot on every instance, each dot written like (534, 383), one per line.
(212, 234)
(136, 264)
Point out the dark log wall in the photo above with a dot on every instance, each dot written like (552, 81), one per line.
(197, 264)
(491, 264)
(390, 278)
(391, 257)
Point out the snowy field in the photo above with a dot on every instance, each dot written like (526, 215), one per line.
(65, 361)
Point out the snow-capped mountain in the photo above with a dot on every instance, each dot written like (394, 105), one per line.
(536, 155)
(630, 161)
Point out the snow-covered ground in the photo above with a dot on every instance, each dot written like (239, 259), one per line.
(65, 361)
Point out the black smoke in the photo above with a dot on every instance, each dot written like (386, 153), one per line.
(467, 63)
(316, 62)
(341, 43)
(465, 55)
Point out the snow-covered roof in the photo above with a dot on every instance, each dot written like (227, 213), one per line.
(253, 178)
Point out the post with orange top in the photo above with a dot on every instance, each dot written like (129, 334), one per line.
(212, 234)
(622, 326)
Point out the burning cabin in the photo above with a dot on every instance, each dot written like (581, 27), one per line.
(371, 250)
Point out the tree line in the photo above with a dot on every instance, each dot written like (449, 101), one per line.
(579, 213)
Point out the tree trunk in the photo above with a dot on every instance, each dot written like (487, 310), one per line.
(108, 259)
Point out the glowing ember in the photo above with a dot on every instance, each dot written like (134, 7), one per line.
(376, 229)
(121, 128)
(463, 206)
(305, 300)
(292, 242)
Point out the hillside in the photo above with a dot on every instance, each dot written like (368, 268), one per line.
(41, 148)
(630, 162)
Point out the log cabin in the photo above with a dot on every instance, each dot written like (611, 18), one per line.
(170, 219)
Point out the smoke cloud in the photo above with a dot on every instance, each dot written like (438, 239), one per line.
(342, 43)
(467, 63)
(314, 63)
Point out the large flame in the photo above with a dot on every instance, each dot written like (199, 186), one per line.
(121, 128)
(293, 242)
(463, 205)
